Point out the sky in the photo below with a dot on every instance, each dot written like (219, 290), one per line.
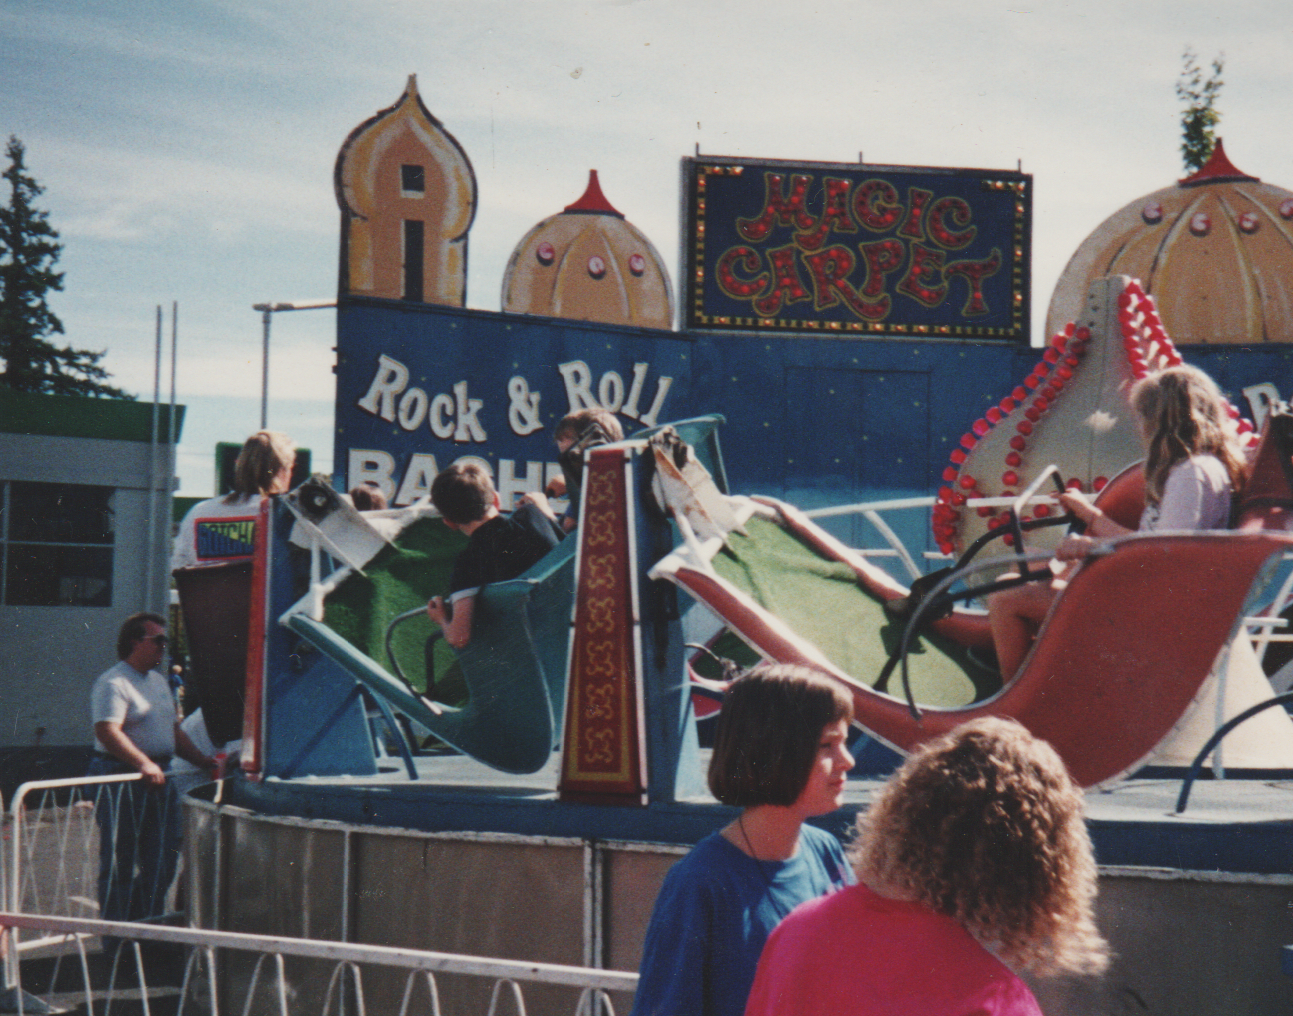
(187, 149)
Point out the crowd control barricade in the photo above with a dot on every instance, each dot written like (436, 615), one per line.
(190, 969)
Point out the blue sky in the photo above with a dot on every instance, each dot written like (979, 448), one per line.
(187, 149)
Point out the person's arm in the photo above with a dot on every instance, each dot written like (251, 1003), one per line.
(185, 552)
(1098, 524)
(122, 748)
(190, 752)
(540, 501)
(671, 979)
(454, 618)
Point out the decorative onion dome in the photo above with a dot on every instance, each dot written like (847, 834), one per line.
(589, 263)
(1215, 250)
(1070, 410)
(408, 196)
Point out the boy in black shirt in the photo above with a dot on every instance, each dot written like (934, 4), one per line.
(499, 547)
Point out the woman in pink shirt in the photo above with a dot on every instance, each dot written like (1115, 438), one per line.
(973, 863)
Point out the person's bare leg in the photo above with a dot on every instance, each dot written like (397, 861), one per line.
(1014, 615)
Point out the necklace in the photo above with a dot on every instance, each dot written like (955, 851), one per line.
(740, 823)
(767, 879)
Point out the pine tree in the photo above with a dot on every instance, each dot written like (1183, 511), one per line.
(29, 249)
(1199, 119)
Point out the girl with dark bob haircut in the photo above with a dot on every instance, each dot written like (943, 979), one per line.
(780, 755)
(973, 863)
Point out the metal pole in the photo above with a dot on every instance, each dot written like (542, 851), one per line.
(266, 314)
(175, 334)
(150, 556)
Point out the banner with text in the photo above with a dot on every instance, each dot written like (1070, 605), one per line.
(840, 248)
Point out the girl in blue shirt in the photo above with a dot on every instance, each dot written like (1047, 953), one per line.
(780, 755)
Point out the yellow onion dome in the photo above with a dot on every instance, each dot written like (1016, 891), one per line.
(1215, 251)
(589, 263)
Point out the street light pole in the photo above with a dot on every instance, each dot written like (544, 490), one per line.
(267, 310)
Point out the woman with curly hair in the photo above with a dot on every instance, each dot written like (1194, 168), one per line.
(973, 863)
(1193, 467)
(780, 755)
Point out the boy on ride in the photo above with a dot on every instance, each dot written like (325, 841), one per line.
(499, 547)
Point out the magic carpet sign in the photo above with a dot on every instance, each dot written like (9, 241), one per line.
(854, 248)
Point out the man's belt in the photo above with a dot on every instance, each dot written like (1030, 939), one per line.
(161, 760)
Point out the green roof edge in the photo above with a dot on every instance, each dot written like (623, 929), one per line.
(81, 416)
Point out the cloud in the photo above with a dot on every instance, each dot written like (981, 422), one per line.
(188, 148)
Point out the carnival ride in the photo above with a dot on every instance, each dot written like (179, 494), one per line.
(1124, 653)
(571, 719)
(394, 791)
(1130, 654)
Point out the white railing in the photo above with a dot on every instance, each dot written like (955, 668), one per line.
(205, 986)
(49, 863)
(49, 853)
(53, 863)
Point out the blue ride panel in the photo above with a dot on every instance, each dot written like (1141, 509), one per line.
(315, 720)
(812, 420)
(419, 387)
(824, 421)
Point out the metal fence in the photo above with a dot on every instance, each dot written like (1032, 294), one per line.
(213, 972)
(49, 858)
(52, 861)
(58, 955)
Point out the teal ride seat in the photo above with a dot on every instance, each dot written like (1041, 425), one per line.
(514, 668)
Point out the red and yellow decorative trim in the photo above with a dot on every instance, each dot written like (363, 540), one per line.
(253, 749)
(602, 756)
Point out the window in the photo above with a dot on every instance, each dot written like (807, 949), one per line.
(56, 543)
(413, 182)
(413, 233)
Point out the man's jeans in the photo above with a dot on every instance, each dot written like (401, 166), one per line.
(139, 842)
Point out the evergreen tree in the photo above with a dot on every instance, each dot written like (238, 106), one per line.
(1200, 118)
(29, 249)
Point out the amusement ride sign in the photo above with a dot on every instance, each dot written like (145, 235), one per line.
(901, 250)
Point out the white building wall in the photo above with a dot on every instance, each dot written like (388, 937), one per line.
(49, 656)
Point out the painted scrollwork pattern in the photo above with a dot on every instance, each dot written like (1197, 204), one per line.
(601, 755)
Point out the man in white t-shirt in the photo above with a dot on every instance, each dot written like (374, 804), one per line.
(137, 730)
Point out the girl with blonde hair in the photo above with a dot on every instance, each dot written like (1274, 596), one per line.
(1193, 468)
(264, 468)
(973, 864)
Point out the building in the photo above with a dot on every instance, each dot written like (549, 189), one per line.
(85, 533)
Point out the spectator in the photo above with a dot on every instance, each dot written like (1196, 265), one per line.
(780, 755)
(973, 863)
(137, 730)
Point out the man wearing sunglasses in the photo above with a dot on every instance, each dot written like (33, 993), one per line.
(137, 731)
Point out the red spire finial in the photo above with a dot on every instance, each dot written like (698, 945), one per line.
(1218, 167)
(594, 200)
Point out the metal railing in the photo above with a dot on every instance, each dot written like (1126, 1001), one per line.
(49, 853)
(264, 984)
(52, 866)
(49, 865)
